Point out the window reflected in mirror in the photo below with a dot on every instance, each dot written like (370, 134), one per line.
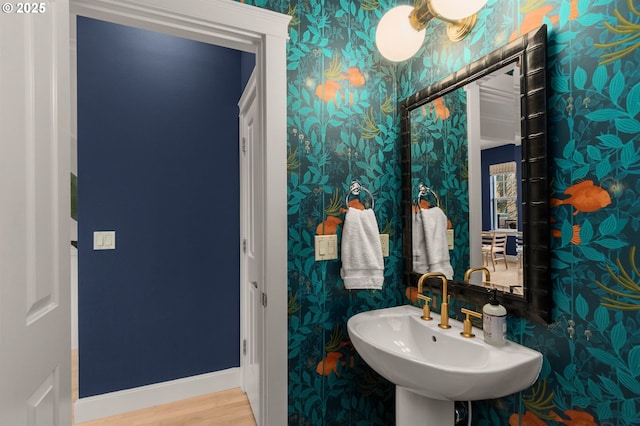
(504, 195)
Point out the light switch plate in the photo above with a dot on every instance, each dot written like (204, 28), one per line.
(384, 242)
(104, 240)
(450, 238)
(326, 247)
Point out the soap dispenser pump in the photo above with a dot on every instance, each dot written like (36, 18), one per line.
(494, 321)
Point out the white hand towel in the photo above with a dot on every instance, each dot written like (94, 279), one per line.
(419, 249)
(434, 223)
(362, 262)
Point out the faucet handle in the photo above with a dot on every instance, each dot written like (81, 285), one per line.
(426, 299)
(466, 325)
(426, 311)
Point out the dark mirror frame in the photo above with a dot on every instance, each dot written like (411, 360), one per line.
(530, 51)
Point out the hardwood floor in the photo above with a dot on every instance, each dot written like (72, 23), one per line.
(508, 276)
(229, 407)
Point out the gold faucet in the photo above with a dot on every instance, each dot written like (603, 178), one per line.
(444, 307)
(487, 274)
(426, 311)
(466, 329)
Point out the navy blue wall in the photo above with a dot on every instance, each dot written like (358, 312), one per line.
(247, 64)
(157, 163)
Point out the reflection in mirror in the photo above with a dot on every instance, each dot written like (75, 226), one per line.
(495, 180)
(465, 148)
(474, 149)
(438, 147)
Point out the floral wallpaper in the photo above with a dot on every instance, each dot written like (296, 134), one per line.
(343, 125)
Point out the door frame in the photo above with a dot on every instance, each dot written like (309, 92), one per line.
(238, 26)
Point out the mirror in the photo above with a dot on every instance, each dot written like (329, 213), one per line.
(474, 145)
(478, 124)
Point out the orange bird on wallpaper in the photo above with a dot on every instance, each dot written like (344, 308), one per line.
(356, 204)
(354, 76)
(329, 364)
(328, 91)
(576, 418)
(528, 419)
(411, 293)
(424, 204)
(575, 13)
(329, 226)
(533, 19)
(442, 112)
(584, 197)
(575, 235)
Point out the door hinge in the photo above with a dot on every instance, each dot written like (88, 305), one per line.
(244, 347)
(264, 299)
(244, 145)
(244, 245)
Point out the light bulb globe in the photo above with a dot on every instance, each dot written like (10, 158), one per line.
(396, 39)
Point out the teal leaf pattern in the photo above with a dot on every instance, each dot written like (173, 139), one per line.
(633, 101)
(634, 361)
(616, 87)
(342, 124)
(600, 78)
(582, 308)
(608, 226)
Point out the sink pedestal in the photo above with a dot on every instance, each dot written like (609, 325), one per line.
(413, 409)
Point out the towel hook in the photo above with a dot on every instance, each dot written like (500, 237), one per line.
(424, 190)
(355, 188)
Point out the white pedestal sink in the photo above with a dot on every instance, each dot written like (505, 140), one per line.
(432, 367)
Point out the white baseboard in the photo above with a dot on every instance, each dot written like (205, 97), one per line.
(110, 404)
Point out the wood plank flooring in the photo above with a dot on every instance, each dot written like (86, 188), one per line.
(229, 407)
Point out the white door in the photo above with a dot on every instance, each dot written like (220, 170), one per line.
(251, 276)
(35, 336)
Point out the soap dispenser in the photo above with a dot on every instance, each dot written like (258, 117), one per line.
(494, 321)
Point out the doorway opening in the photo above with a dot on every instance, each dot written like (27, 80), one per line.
(249, 29)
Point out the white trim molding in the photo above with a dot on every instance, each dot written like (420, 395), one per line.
(221, 22)
(110, 404)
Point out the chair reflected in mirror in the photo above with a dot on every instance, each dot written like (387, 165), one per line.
(494, 248)
(519, 248)
(487, 242)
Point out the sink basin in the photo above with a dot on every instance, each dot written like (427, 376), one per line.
(440, 364)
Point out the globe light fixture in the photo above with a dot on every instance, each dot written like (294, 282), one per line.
(396, 38)
(400, 32)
